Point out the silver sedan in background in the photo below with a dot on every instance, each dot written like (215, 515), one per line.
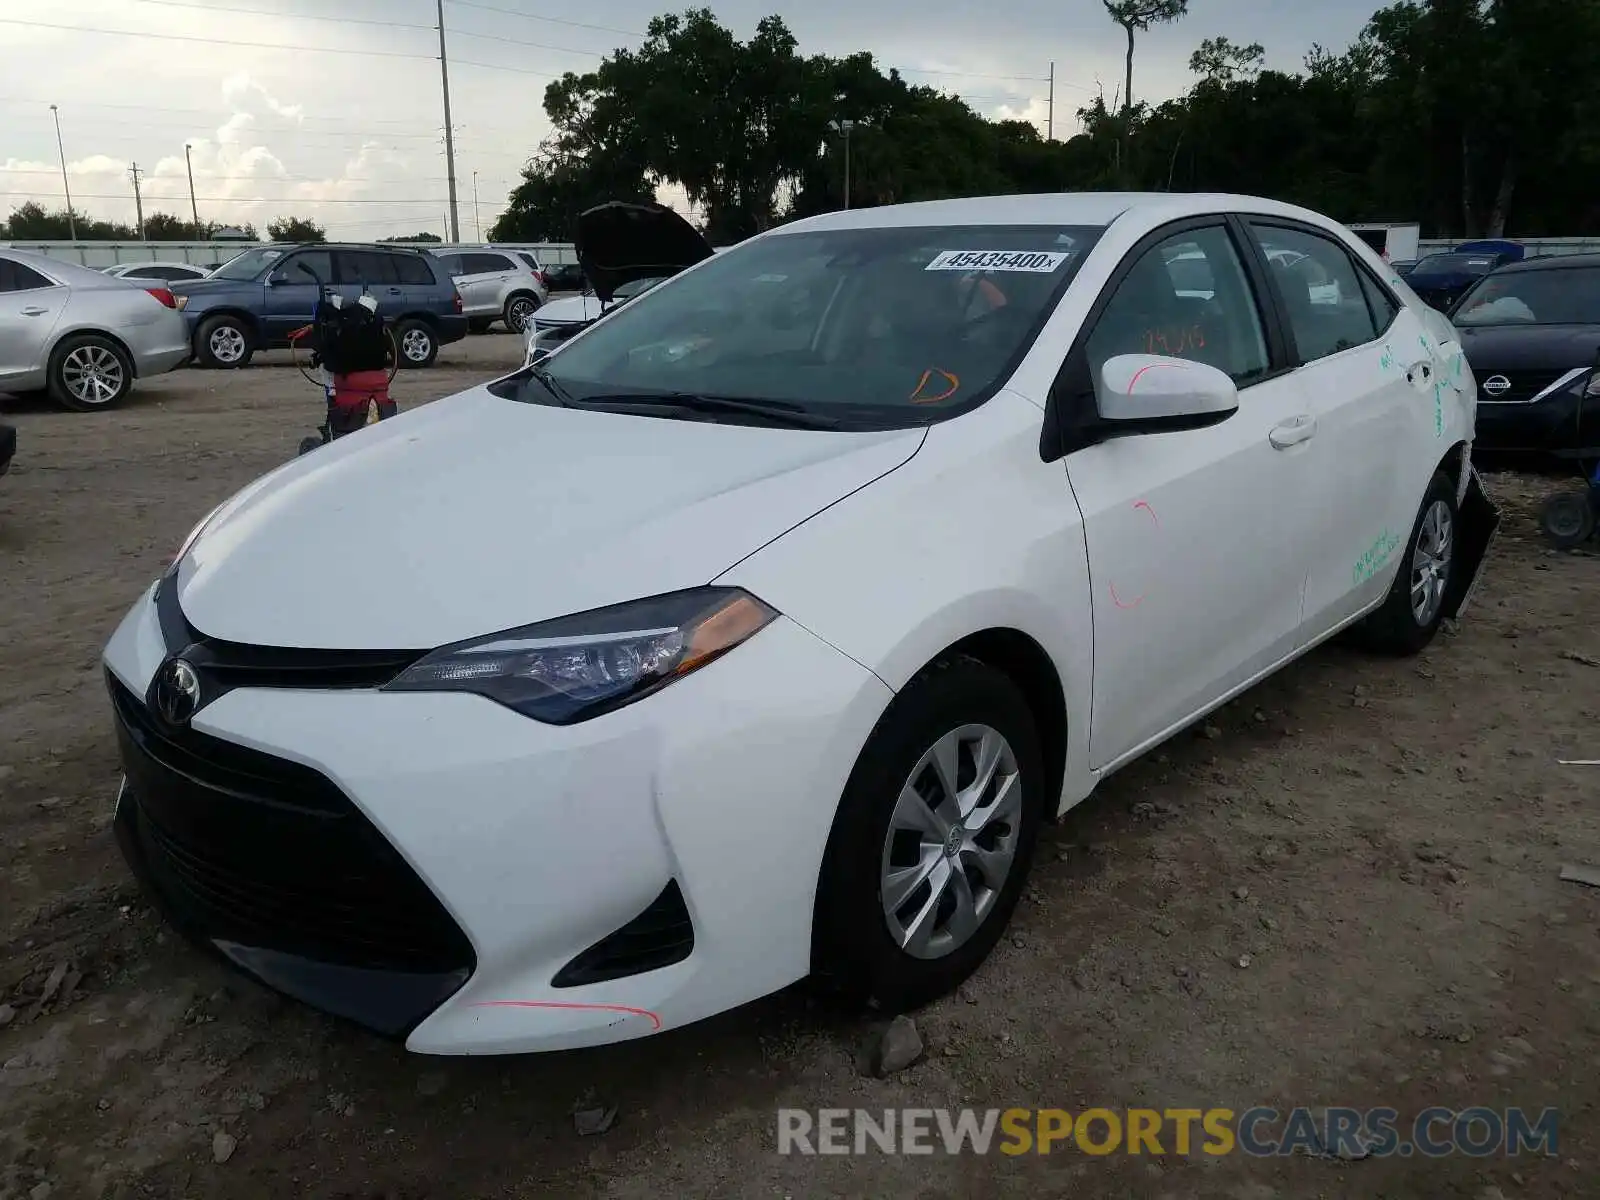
(80, 334)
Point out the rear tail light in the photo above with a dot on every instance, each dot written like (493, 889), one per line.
(543, 282)
(164, 295)
(455, 301)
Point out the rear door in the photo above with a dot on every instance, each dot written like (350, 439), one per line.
(419, 290)
(369, 272)
(1375, 388)
(30, 307)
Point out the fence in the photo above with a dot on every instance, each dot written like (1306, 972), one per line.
(1537, 247)
(98, 255)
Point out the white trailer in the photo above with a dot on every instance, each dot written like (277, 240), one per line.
(1397, 241)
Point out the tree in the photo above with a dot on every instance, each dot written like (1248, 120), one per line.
(164, 227)
(1138, 15)
(295, 229)
(424, 236)
(1221, 61)
(29, 222)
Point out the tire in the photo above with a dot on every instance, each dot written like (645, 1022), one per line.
(1567, 519)
(1399, 627)
(224, 343)
(418, 343)
(519, 307)
(88, 372)
(855, 951)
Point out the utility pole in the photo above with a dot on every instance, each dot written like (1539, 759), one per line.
(138, 203)
(476, 218)
(72, 221)
(193, 207)
(1050, 110)
(449, 133)
(843, 127)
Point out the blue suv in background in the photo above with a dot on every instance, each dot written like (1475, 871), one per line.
(256, 299)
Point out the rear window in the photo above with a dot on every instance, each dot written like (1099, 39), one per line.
(880, 327)
(412, 268)
(1564, 296)
(529, 259)
(1455, 264)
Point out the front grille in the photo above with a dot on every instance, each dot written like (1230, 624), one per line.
(661, 935)
(252, 850)
(224, 665)
(1525, 385)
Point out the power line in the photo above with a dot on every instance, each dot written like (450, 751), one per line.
(296, 16)
(527, 16)
(27, 100)
(406, 177)
(970, 74)
(300, 49)
(232, 199)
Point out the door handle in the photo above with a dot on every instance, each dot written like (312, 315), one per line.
(34, 311)
(394, 291)
(1292, 432)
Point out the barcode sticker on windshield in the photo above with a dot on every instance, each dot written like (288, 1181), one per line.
(1037, 261)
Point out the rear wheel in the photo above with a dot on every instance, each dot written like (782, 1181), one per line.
(518, 309)
(933, 839)
(89, 371)
(1412, 612)
(419, 345)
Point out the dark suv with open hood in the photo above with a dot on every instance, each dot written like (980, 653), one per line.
(623, 250)
(1531, 331)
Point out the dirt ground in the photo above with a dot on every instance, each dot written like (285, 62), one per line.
(1342, 890)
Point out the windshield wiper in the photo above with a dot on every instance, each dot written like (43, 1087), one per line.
(772, 410)
(563, 397)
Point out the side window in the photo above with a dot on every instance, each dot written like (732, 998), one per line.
(1321, 288)
(412, 268)
(1153, 311)
(485, 264)
(451, 264)
(318, 262)
(17, 277)
(366, 268)
(533, 263)
(1380, 303)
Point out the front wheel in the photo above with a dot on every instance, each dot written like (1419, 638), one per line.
(418, 344)
(224, 342)
(1412, 612)
(933, 839)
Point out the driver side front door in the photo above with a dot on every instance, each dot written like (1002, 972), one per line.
(1195, 539)
(292, 294)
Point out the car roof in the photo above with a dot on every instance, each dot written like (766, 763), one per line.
(1550, 262)
(1051, 208)
(63, 269)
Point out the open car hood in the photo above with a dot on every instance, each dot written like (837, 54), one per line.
(619, 242)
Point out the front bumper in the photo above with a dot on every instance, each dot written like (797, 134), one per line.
(711, 800)
(1562, 422)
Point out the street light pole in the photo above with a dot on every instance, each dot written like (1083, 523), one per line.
(476, 218)
(193, 207)
(72, 221)
(844, 127)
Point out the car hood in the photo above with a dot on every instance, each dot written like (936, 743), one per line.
(620, 243)
(573, 310)
(1529, 347)
(477, 514)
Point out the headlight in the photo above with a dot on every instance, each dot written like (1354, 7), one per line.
(573, 668)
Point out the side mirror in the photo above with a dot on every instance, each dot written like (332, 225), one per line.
(1151, 393)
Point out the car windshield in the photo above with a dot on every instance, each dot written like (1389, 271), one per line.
(1454, 264)
(874, 327)
(1561, 296)
(247, 265)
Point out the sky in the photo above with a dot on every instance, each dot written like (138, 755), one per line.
(332, 109)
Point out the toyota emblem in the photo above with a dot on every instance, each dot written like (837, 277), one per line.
(1496, 384)
(177, 692)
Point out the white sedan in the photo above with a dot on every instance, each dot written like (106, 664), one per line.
(757, 632)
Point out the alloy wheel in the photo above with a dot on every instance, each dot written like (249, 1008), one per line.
(1430, 562)
(952, 841)
(226, 344)
(415, 344)
(92, 374)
